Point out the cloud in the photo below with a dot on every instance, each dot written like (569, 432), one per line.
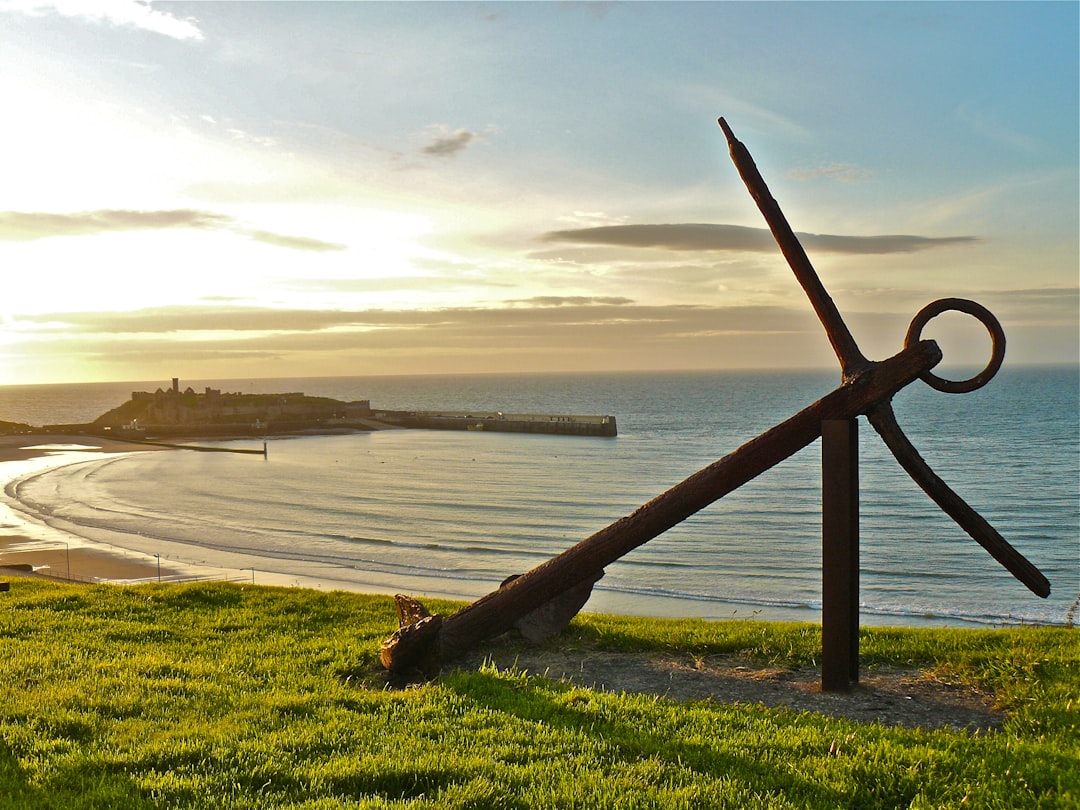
(449, 145)
(597, 9)
(696, 236)
(17, 226)
(565, 337)
(572, 301)
(1042, 305)
(423, 283)
(546, 335)
(520, 316)
(553, 333)
(185, 319)
(842, 172)
(294, 242)
(590, 219)
(996, 129)
(123, 13)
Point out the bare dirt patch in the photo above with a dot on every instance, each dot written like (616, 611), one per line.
(892, 697)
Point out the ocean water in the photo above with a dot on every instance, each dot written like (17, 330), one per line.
(454, 513)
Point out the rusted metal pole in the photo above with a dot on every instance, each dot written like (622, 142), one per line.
(436, 638)
(851, 358)
(839, 554)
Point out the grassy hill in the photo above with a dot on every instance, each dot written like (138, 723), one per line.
(237, 696)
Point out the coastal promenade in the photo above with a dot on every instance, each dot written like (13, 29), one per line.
(499, 422)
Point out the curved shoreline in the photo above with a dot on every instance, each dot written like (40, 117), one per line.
(29, 546)
(51, 546)
(59, 549)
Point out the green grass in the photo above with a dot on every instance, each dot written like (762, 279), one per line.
(230, 696)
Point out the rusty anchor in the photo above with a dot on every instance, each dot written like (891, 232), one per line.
(541, 602)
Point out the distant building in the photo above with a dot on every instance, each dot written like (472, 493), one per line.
(171, 409)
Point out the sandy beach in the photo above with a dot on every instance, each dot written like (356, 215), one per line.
(31, 548)
(28, 550)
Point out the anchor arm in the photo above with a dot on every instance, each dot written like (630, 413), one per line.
(882, 417)
(884, 421)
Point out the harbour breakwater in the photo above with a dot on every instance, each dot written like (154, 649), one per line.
(496, 421)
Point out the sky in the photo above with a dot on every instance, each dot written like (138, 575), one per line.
(251, 189)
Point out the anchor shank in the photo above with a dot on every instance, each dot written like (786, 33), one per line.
(498, 611)
(851, 358)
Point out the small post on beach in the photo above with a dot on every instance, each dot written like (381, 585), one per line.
(839, 554)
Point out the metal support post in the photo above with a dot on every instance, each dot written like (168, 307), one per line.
(840, 554)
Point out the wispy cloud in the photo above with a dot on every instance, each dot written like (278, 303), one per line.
(1044, 305)
(18, 226)
(597, 9)
(695, 236)
(986, 124)
(294, 242)
(572, 301)
(554, 333)
(450, 144)
(841, 172)
(123, 13)
(561, 337)
(521, 317)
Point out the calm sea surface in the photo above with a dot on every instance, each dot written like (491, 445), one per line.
(454, 513)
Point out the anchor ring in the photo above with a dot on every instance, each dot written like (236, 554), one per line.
(980, 313)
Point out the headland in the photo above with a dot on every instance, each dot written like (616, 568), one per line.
(173, 413)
